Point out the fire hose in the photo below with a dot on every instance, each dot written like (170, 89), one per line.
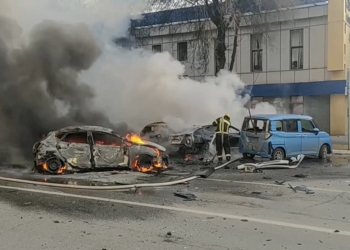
(203, 174)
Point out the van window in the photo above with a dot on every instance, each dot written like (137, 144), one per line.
(290, 126)
(279, 126)
(259, 125)
(306, 126)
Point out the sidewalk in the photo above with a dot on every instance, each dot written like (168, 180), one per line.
(340, 144)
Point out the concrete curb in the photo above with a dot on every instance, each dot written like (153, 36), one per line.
(341, 152)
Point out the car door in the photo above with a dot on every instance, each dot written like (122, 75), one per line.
(74, 147)
(107, 150)
(309, 138)
(292, 135)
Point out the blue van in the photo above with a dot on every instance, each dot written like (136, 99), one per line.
(283, 136)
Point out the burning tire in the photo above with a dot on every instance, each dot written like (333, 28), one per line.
(52, 165)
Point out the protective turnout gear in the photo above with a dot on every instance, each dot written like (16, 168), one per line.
(223, 125)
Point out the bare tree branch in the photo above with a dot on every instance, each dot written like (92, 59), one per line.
(207, 21)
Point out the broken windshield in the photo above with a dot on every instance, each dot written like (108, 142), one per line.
(254, 125)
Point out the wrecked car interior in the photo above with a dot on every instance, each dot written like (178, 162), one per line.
(193, 140)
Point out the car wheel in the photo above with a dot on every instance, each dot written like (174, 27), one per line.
(323, 152)
(249, 156)
(278, 154)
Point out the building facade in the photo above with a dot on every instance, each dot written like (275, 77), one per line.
(299, 64)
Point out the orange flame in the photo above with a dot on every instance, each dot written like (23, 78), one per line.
(134, 138)
(188, 157)
(61, 170)
(157, 164)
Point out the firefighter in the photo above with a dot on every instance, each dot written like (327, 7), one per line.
(222, 141)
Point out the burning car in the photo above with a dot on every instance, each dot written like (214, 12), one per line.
(80, 148)
(157, 132)
(194, 140)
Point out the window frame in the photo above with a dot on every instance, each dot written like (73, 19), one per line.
(298, 47)
(108, 134)
(310, 121)
(179, 44)
(253, 51)
(62, 139)
(282, 127)
(156, 46)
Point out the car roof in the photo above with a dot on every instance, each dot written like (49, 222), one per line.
(84, 128)
(280, 116)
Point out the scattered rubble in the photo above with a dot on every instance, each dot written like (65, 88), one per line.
(300, 175)
(280, 182)
(184, 193)
(302, 189)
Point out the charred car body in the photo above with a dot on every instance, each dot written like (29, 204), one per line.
(194, 140)
(84, 148)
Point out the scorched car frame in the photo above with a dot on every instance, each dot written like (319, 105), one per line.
(84, 148)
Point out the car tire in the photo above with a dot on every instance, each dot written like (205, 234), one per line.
(323, 152)
(248, 156)
(278, 154)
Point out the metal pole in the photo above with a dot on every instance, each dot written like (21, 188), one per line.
(347, 95)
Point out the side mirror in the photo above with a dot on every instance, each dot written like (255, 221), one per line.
(316, 130)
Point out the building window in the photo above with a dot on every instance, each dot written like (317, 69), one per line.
(257, 50)
(182, 51)
(297, 105)
(296, 49)
(157, 48)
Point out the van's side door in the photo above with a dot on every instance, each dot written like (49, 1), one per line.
(293, 139)
(309, 138)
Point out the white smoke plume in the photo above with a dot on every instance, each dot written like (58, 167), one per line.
(51, 48)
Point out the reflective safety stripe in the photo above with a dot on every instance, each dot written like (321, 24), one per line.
(226, 121)
(219, 156)
(227, 155)
(219, 132)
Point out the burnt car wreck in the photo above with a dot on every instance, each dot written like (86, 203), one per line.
(88, 148)
(194, 140)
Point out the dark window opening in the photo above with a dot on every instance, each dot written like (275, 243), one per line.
(254, 125)
(80, 138)
(257, 51)
(290, 126)
(104, 139)
(182, 51)
(157, 48)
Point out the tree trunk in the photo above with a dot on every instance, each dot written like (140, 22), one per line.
(220, 50)
(235, 44)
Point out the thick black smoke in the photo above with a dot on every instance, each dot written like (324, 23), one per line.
(36, 75)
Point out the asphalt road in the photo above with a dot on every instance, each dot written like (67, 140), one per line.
(233, 210)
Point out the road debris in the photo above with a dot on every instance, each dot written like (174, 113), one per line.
(292, 188)
(280, 182)
(301, 188)
(184, 193)
(256, 193)
(300, 176)
(278, 164)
